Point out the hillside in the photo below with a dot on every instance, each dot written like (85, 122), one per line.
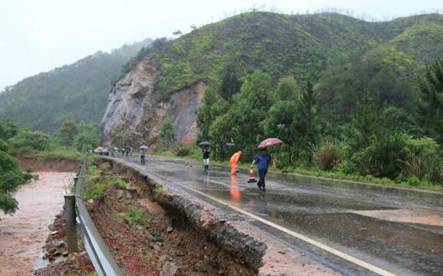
(343, 56)
(78, 90)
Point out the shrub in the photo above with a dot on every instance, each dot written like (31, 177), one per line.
(28, 141)
(423, 159)
(136, 216)
(384, 157)
(96, 190)
(328, 156)
(10, 177)
(182, 150)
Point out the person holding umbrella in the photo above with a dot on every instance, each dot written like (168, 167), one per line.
(263, 159)
(205, 150)
(143, 149)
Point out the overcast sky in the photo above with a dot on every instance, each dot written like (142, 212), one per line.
(38, 35)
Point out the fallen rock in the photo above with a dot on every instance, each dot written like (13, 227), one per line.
(169, 269)
(200, 266)
(58, 243)
(169, 229)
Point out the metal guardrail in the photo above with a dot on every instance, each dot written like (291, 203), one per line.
(98, 251)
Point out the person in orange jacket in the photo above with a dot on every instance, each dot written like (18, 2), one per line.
(234, 162)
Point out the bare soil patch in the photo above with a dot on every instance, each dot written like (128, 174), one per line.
(37, 165)
(164, 244)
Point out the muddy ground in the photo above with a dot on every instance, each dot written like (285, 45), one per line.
(23, 234)
(55, 251)
(162, 243)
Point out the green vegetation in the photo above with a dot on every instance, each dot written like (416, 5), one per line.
(11, 175)
(66, 144)
(167, 135)
(341, 92)
(99, 179)
(135, 216)
(79, 90)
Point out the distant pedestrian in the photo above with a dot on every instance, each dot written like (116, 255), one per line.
(143, 150)
(262, 160)
(206, 154)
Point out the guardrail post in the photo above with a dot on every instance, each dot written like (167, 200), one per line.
(71, 230)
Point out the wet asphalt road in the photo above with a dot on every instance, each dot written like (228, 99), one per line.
(328, 211)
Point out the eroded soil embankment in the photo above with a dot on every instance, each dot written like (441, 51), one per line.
(177, 236)
(36, 165)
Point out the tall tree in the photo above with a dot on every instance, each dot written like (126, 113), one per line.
(67, 132)
(167, 134)
(280, 121)
(306, 121)
(231, 83)
(250, 108)
(430, 109)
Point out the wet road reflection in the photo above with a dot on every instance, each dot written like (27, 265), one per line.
(234, 190)
(342, 215)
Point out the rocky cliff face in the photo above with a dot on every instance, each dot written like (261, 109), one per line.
(134, 116)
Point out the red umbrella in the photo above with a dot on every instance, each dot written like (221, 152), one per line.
(269, 142)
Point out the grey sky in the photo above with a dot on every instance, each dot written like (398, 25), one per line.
(38, 35)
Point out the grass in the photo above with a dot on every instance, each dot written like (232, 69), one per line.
(136, 216)
(98, 181)
(54, 154)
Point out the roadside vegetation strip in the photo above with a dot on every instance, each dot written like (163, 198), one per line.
(100, 256)
(299, 236)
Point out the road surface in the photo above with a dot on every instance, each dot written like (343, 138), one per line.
(353, 228)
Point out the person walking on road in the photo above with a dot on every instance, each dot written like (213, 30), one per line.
(206, 154)
(262, 160)
(143, 150)
(234, 162)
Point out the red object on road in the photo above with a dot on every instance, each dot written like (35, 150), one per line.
(252, 176)
(269, 142)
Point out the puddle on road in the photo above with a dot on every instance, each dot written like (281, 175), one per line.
(426, 217)
(23, 234)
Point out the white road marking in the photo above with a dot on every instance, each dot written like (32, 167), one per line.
(296, 235)
(333, 251)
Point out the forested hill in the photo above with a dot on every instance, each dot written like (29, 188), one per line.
(79, 91)
(304, 46)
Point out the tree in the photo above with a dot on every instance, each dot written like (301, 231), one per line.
(280, 121)
(67, 132)
(249, 110)
(430, 108)
(212, 105)
(10, 177)
(231, 84)
(167, 134)
(306, 125)
(27, 140)
(87, 137)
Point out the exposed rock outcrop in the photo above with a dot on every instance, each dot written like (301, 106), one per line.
(134, 116)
